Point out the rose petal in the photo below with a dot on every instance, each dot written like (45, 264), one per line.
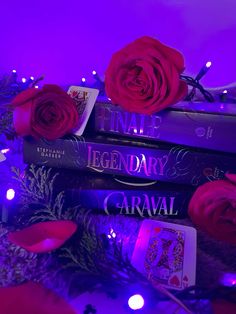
(32, 298)
(51, 88)
(174, 55)
(21, 119)
(43, 236)
(231, 177)
(182, 92)
(25, 96)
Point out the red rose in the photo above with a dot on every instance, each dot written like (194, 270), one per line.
(48, 112)
(144, 76)
(213, 208)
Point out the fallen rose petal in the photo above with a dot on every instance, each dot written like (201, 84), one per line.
(44, 236)
(32, 298)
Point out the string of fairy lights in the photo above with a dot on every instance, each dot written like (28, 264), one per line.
(11, 85)
(210, 95)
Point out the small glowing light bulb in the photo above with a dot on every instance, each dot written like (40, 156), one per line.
(36, 86)
(225, 91)
(208, 64)
(136, 302)
(112, 234)
(83, 79)
(32, 78)
(5, 150)
(23, 79)
(94, 72)
(13, 71)
(228, 279)
(10, 194)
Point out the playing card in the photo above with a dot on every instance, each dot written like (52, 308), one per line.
(166, 253)
(85, 99)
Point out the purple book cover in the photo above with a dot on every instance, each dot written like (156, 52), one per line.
(107, 194)
(203, 125)
(148, 203)
(175, 164)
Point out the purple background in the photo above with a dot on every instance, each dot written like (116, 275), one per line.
(66, 40)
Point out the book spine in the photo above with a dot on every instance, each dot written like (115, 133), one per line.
(139, 203)
(196, 129)
(175, 164)
(105, 194)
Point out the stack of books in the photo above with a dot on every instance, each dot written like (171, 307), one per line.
(144, 165)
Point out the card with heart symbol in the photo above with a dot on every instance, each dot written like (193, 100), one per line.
(166, 253)
(85, 99)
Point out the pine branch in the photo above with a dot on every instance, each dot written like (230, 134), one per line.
(37, 193)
